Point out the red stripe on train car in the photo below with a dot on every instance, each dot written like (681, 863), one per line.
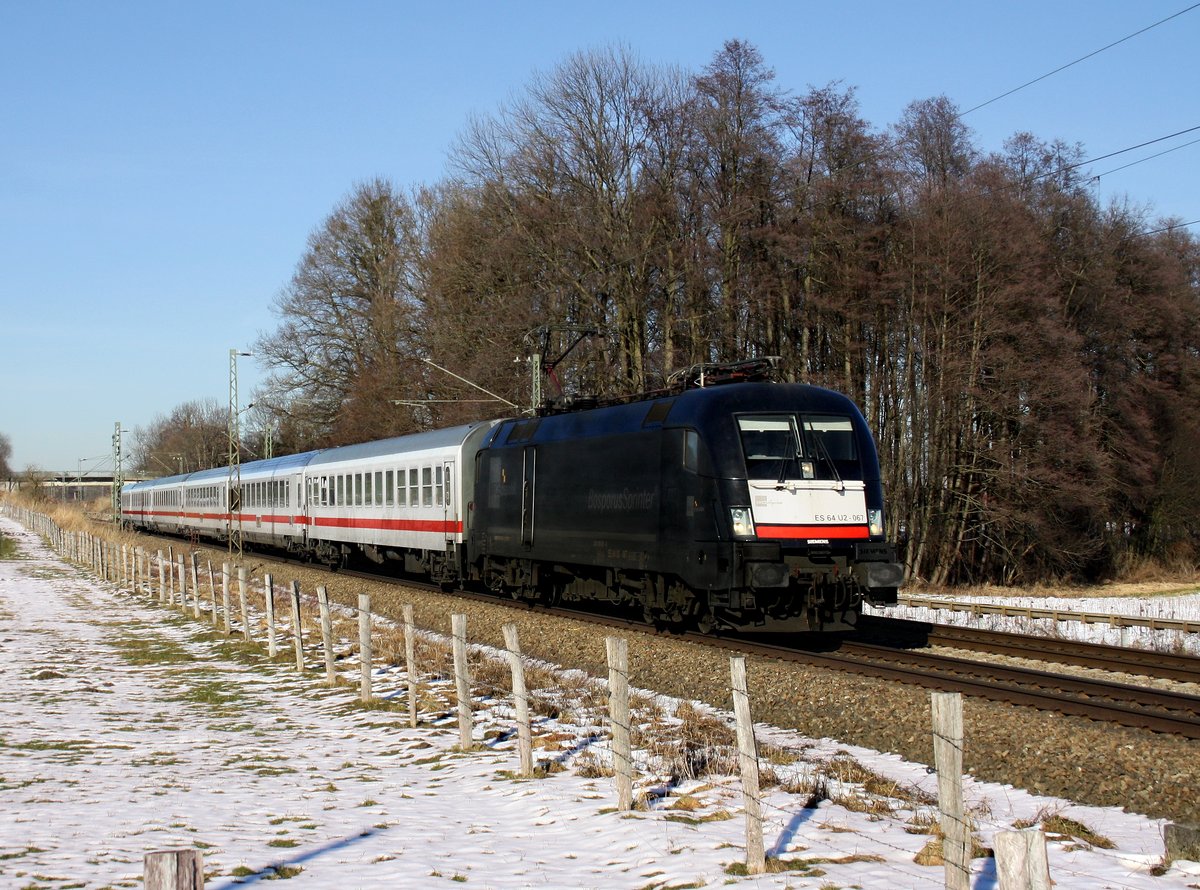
(808, 532)
(404, 525)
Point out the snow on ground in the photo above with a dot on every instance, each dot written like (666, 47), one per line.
(1185, 607)
(125, 729)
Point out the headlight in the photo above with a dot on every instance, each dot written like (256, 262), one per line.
(875, 523)
(743, 522)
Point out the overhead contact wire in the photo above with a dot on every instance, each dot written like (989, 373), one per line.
(1077, 61)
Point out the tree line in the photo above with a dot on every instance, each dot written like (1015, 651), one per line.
(1028, 359)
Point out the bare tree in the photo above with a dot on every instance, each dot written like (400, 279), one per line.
(1027, 359)
(5, 454)
(191, 437)
(566, 165)
(345, 346)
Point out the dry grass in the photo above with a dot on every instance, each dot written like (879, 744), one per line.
(1145, 582)
(694, 745)
(1053, 822)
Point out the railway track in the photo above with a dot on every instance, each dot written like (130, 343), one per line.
(1122, 704)
(1162, 665)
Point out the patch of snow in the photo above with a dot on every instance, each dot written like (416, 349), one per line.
(125, 728)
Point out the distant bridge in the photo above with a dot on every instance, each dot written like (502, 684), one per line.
(69, 486)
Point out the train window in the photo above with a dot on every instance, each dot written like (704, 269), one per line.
(390, 487)
(658, 412)
(401, 488)
(427, 486)
(691, 450)
(771, 445)
(341, 490)
(414, 498)
(379, 488)
(784, 446)
(367, 489)
(829, 441)
(523, 430)
(437, 486)
(836, 436)
(358, 489)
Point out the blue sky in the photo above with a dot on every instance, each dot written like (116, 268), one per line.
(162, 164)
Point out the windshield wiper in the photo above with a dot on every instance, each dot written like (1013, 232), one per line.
(825, 454)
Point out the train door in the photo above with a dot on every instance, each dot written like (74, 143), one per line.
(300, 511)
(449, 505)
(528, 492)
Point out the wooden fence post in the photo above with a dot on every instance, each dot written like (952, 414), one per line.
(225, 598)
(269, 599)
(948, 759)
(182, 583)
(195, 586)
(241, 573)
(364, 645)
(520, 698)
(297, 626)
(410, 663)
(173, 870)
(756, 862)
(162, 580)
(171, 575)
(212, 592)
(618, 716)
(327, 635)
(462, 679)
(1021, 860)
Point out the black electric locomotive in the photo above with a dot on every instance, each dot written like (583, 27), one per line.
(746, 506)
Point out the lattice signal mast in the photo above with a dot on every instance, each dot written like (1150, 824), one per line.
(233, 527)
(118, 473)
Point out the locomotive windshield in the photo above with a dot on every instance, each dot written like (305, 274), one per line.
(799, 446)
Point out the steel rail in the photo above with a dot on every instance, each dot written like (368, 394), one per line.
(1119, 659)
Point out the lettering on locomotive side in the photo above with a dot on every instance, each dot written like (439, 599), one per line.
(839, 517)
(601, 501)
